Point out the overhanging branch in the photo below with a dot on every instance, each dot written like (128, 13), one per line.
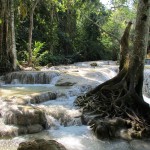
(108, 33)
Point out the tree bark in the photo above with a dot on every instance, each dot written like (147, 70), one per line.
(33, 6)
(1, 24)
(140, 45)
(13, 40)
(7, 37)
(124, 48)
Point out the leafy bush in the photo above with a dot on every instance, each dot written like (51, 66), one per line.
(36, 52)
(46, 58)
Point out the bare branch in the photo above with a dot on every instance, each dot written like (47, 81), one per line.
(108, 33)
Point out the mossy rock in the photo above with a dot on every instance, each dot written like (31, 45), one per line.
(41, 144)
(94, 64)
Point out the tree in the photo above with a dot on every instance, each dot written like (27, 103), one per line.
(7, 36)
(121, 96)
(32, 9)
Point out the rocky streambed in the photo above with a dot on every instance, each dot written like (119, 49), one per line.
(39, 104)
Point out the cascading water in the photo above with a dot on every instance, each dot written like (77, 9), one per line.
(63, 118)
(28, 77)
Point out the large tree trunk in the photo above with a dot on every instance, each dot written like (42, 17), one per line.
(33, 6)
(122, 95)
(140, 46)
(7, 37)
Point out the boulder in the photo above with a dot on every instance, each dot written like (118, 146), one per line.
(94, 64)
(41, 144)
(42, 97)
(24, 116)
(34, 128)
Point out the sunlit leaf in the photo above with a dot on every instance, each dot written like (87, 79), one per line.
(0, 21)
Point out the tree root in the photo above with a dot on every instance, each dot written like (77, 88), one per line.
(116, 101)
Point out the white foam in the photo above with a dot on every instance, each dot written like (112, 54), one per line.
(146, 99)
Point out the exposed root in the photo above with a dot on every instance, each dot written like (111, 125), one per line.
(115, 100)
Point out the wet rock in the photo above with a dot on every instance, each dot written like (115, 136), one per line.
(16, 100)
(102, 132)
(24, 116)
(140, 144)
(65, 83)
(110, 128)
(8, 131)
(19, 120)
(32, 99)
(42, 97)
(41, 144)
(49, 65)
(94, 64)
(34, 128)
(12, 131)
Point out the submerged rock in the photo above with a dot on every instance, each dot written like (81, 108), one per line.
(41, 144)
(65, 83)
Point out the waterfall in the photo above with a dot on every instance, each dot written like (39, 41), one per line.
(27, 77)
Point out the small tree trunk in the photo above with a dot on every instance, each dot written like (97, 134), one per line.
(2, 10)
(13, 40)
(30, 32)
(30, 39)
(124, 48)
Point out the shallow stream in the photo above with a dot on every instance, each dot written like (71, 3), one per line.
(62, 115)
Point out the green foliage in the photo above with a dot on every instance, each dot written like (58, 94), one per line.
(0, 21)
(72, 30)
(47, 58)
(37, 47)
(115, 25)
(36, 52)
(22, 10)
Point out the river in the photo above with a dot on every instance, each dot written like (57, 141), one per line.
(67, 82)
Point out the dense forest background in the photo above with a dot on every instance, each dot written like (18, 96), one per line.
(65, 31)
(57, 32)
